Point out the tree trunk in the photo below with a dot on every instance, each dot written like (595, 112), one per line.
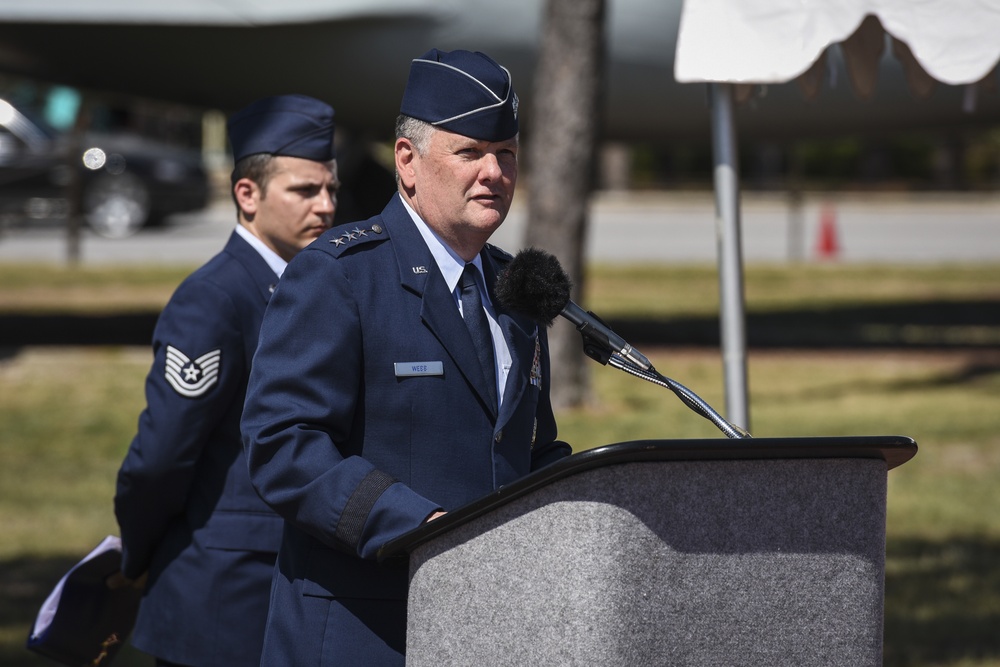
(562, 149)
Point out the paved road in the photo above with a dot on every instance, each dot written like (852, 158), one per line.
(671, 228)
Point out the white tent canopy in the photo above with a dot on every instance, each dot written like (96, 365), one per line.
(727, 43)
(773, 41)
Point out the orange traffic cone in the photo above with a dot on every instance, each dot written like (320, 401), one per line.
(827, 245)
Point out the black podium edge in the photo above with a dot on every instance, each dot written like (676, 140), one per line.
(895, 450)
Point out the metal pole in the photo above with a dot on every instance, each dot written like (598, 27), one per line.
(74, 189)
(727, 226)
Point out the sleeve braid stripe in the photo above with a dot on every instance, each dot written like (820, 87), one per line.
(359, 506)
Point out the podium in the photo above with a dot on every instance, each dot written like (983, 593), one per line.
(764, 551)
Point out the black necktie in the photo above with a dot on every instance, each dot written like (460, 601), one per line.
(479, 327)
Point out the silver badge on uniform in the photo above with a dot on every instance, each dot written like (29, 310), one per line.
(192, 377)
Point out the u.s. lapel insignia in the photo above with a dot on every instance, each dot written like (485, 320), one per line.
(536, 365)
(192, 377)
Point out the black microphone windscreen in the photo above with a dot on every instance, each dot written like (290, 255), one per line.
(534, 285)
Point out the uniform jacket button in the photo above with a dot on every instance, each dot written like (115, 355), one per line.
(499, 436)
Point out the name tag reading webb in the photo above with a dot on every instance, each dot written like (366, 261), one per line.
(406, 369)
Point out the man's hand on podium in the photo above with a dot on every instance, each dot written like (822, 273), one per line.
(436, 515)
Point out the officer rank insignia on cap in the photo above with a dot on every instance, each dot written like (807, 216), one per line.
(192, 377)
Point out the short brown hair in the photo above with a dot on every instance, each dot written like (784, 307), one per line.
(258, 168)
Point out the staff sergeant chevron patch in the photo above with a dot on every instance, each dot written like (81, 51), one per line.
(192, 378)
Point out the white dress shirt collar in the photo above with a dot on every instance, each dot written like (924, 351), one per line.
(273, 260)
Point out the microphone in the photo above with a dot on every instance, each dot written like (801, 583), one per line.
(535, 285)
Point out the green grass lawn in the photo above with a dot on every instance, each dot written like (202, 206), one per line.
(612, 291)
(68, 414)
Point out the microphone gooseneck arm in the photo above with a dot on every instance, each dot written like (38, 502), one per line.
(603, 345)
(595, 332)
(535, 285)
(688, 397)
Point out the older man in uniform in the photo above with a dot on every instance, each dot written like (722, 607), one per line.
(191, 523)
(389, 384)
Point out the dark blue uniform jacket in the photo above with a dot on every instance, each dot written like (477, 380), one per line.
(184, 502)
(366, 411)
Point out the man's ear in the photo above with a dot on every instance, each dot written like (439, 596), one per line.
(406, 154)
(247, 195)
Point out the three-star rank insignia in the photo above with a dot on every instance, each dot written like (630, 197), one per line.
(192, 377)
(355, 234)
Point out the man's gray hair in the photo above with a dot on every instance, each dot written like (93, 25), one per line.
(417, 131)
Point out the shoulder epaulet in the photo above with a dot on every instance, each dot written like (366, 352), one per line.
(499, 254)
(353, 234)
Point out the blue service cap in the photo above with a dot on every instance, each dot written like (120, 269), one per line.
(464, 92)
(291, 125)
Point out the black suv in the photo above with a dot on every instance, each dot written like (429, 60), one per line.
(129, 181)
